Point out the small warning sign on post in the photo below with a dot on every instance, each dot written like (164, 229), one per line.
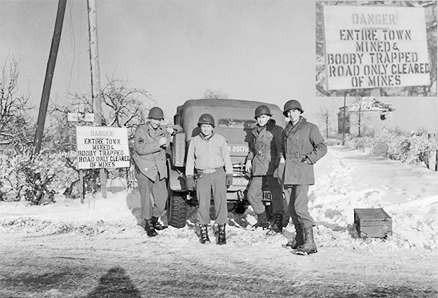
(102, 147)
(76, 117)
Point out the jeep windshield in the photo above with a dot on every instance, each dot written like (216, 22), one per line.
(237, 123)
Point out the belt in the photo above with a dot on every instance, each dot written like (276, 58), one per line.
(294, 155)
(208, 171)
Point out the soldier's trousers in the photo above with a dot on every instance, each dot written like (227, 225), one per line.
(208, 186)
(255, 194)
(298, 206)
(158, 189)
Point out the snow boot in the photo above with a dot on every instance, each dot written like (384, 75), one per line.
(298, 240)
(204, 234)
(149, 228)
(262, 221)
(277, 227)
(221, 237)
(156, 224)
(309, 246)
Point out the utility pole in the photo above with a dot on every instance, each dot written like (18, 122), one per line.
(95, 77)
(49, 76)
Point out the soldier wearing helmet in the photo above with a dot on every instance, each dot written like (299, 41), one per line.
(150, 143)
(264, 157)
(209, 159)
(303, 147)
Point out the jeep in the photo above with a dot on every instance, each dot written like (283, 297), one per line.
(234, 119)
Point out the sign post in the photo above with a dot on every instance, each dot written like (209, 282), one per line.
(102, 147)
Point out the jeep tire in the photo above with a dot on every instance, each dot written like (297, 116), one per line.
(176, 210)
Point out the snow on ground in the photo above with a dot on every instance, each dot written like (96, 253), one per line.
(345, 179)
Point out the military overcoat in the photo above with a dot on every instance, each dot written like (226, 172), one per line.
(149, 156)
(265, 148)
(302, 141)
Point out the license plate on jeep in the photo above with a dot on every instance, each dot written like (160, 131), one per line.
(267, 196)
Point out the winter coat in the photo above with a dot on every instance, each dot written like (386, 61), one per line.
(265, 148)
(149, 156)
(302, 141)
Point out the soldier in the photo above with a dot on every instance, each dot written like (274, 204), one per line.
(209, 156)
(264, 157)
(303, 147)
(150, 142)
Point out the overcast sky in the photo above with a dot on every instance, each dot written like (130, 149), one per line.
(255, 50)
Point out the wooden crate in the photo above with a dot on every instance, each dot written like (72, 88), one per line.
(372, 222)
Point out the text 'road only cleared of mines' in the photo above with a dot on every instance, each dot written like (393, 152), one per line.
(374, 47)
(102, 147)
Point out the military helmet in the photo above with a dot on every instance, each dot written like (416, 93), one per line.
(206, 119)
(156, 113)
(292, 104)
(262, 110)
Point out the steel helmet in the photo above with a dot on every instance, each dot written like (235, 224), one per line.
(206, 119)
(156, 113)
(291, 104)
(262, 110)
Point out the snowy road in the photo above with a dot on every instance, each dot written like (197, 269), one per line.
(391, 181)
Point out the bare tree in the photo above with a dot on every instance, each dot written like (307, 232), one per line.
(326, 113)
(15, 123)
(210, 94)
(123, 106)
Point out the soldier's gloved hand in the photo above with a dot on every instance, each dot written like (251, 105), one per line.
(190, 182)
(163, 142)
(170, 130)
(229, 180)
(248, 166)
(306, 160)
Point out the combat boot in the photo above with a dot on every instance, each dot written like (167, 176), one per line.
(156, 224)
(298, 240)
(277, 227)
(262, 221)
(221, 237)
(149, 228)
(204, 234)
(309, 246)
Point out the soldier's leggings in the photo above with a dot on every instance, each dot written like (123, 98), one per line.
(208, 186)
(158, 189)
(255, 194)
(299, 211)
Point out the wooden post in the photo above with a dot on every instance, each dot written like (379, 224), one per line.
(436, 160)
(343, 120)
(81, 185)
(95, 77)
(49, 76)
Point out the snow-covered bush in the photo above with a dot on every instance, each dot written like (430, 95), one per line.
(414, 147)
(34, 178)
(39, 178)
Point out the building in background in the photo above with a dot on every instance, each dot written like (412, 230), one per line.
(365, 116)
